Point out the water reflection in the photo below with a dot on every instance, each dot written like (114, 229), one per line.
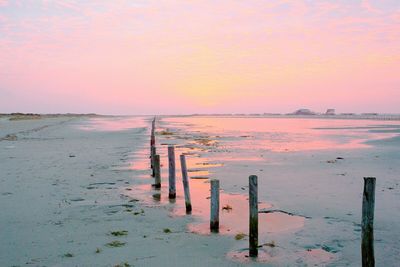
(233, 206)
(213, 142)
(282, 134)
(233, 210)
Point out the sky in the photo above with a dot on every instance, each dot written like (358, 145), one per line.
(183, 57)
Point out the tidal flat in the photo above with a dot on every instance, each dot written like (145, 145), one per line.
(76, 191)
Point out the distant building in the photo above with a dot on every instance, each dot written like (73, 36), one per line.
(330, 111)
(303, 111)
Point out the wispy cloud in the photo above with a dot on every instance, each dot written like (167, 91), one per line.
(202, 51)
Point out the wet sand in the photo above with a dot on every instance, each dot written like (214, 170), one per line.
(312, 168)
(68, 183)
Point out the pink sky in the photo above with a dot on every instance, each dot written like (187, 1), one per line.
(156, 56)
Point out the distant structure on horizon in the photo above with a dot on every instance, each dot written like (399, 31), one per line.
(370, 114)
(303, 111)
(330, 111)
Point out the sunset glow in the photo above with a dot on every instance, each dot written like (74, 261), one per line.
(174, 57)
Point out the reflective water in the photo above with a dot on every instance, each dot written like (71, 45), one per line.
(284, 134)
(214, 142)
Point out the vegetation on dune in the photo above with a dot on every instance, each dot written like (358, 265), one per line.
(22, 116)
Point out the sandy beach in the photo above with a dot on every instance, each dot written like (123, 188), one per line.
(76, 191)
(199, 133)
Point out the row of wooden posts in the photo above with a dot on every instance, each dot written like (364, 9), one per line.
(156, 170)
(367, 229)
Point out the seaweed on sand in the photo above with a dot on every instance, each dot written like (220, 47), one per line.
(115, 244)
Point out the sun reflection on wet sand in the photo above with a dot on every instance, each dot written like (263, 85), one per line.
(233, 210)
(233, 206)
(281, 134)
(205, 153)
(219, 142)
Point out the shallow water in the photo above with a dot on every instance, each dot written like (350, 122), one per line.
(231, 148)
(285, 134)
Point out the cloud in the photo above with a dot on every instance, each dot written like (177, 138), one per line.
(130, 51)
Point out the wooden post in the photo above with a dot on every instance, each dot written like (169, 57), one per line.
(214, 211)
(185, 182)
(153, 155)
(157, 171)
(171, 177)
(367, 223)
(152, 140)
(253, 220)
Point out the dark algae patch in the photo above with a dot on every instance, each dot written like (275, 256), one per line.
(124, 264)
(115, 244)
(119, 233)
(240, 236)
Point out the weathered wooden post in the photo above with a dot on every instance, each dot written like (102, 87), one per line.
(157, 171)
(253, 220)
(367, 222)
(152, 138)
(214, 211)
(171, 177)
(185, 182)
(152, 144)
(153, 154)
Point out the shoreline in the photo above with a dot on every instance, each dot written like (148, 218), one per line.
(28, 116)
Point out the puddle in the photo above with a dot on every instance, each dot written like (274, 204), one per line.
(234, 209)
(236, 222)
